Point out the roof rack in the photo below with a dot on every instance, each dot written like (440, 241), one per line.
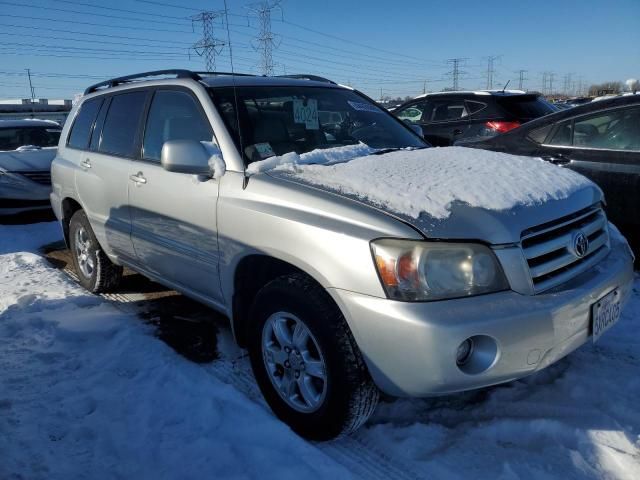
(120, 80)
(304, 76)
(181, 73)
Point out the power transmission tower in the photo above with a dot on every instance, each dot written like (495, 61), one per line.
(567, 84)
(491, 70)
(208, 46)
(551, 77)
(33, 92)
(521, 78)
(266, 40)
(455, 72)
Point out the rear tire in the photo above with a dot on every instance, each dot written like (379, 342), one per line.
(345, 396)
(95, 271)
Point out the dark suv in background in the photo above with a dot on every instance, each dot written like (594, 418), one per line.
(447, 117)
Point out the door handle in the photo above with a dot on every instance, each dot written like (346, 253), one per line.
(86, 163)
(138, 178)
(558, 158)
(457, 131)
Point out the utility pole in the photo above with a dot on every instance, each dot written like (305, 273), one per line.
(521, 78)
(33, 92)
(208, 46)
(424, 87)
(455, 72)
(491, 70)
(266, 40)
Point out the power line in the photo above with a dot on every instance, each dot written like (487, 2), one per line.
(93, 14)
(208, 46)
(266, 40)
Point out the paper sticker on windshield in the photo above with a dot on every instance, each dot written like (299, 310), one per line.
(264, 150)
(306, 111)
(364, 107)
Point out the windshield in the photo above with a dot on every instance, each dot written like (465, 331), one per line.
(279, 120)
(13, 138)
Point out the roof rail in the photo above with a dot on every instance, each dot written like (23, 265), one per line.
(213, 74)
(304, 76)
(120, 80)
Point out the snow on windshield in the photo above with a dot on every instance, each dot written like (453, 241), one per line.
(411, 182)
(324, 156)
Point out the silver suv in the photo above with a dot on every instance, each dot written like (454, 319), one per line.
(204, 183)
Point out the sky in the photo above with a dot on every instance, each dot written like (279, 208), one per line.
(383, 48)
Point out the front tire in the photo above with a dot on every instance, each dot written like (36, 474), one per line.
(306, 360)
(95, 271)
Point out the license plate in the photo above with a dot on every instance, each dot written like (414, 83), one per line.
(605, 313)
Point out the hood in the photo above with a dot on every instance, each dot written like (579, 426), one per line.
(454, 192)
(28, 160)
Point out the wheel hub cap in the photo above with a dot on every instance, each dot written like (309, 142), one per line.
(294, 362)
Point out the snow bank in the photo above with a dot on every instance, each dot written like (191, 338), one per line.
(430, 180)
(87, 391)
(324, 156)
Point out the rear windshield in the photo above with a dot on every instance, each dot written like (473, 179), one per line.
(526, 107)
(13, 138)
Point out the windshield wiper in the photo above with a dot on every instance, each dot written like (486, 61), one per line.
(395, 149)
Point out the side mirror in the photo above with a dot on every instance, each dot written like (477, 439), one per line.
(417, 128)
(185, 156)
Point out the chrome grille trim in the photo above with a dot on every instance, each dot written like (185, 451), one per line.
(548, 248)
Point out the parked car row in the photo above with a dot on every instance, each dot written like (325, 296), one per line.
(350, 258)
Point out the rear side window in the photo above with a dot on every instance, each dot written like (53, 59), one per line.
(121, 125)
(412, 113)
(13, 138)
(173, 115)
(449, 110)
(81, 129)
(474, 107)
(526, 107)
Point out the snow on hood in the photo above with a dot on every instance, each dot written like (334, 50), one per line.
(412, 182)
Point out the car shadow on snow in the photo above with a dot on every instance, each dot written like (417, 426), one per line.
(187, 326)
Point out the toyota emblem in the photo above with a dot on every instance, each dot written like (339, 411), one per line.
(580, 244)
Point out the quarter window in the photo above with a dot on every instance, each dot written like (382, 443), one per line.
(173, 115)
(81, 129)
(121, 125)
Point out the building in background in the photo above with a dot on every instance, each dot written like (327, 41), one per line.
(42, 108)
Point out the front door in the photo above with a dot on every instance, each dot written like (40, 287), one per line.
(174, 214)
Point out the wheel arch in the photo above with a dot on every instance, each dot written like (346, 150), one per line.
(69, 207)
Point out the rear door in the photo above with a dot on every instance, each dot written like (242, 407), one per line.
(605, 147)
(174, 214)
(447, 122)
(102, 180)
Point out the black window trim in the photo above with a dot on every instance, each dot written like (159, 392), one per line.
(153, 91)
(449, 120)
(578, 117)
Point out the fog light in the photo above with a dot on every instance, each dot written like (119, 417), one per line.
(464, 352)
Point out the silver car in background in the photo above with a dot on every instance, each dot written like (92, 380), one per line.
(159, 175)
(27, 148)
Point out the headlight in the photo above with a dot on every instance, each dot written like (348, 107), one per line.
(419, 271)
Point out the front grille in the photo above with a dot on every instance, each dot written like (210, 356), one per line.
(43, 178)
(550, 252)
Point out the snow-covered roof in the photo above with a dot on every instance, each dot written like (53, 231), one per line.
(474, 92)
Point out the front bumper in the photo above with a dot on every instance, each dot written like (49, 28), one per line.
(410, 348)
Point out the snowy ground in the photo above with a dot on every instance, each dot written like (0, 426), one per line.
(88, 390)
